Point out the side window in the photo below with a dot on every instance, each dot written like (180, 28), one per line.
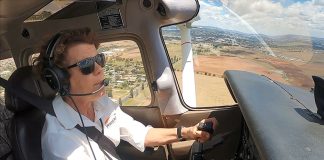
(7, 66)
(125, 71)
(6, 69)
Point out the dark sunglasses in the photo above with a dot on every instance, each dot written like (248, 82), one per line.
(87, 65)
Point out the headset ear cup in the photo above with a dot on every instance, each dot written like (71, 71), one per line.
(51, 78)
(57, 79)
(63, 79)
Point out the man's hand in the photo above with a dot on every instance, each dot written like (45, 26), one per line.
(194, 133)
(162, 136)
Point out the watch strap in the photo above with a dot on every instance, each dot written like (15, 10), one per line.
(179, 136)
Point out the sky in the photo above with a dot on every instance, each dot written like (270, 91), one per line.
(270, 17)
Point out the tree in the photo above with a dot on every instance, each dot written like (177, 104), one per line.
(120, 102)
(107, 67)
(124, 84)
(126, 71)
(131, 93)
(142, 86)
(133, 70)
(109, 92)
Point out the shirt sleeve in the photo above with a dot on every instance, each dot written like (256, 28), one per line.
(63, 147)
(131, 130)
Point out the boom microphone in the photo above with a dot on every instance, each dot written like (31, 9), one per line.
(105, 82)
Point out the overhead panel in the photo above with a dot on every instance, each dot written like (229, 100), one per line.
(110, 18)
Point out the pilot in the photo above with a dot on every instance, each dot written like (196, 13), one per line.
(71, 63)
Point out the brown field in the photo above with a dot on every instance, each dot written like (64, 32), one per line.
(119, 44)
(132, 54)
(210, 91)
(143, 99)
(218, 93)
(218, 64)
(294, 74)
(274, 68)
(119, 93)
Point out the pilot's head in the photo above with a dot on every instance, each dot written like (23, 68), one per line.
(75, 53)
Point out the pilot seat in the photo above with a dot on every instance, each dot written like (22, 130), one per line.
(27, 122)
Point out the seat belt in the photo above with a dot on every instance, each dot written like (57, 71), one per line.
(104, 142)
(46, 106)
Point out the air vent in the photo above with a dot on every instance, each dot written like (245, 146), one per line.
(147, 3)
(161, 10)
(25, 33)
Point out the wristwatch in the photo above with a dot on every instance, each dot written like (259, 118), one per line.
(180, 138)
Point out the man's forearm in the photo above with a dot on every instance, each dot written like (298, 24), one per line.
(162, 136)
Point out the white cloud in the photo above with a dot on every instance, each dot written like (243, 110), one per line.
(318, 2)
(216, 16)
(266, 16)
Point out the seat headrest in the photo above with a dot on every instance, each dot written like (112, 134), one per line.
(28, 79)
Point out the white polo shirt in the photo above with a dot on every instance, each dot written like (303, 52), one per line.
(61, 140)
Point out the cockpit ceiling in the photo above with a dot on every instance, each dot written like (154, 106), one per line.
(70, 9)
(172, 12)
(12, 12)
(17, 9)
(61, 9)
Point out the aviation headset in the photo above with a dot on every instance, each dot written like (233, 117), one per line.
(56, 77)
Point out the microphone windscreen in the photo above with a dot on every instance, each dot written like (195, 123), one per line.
(106, 82)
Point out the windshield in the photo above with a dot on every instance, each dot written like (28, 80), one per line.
(280, 39)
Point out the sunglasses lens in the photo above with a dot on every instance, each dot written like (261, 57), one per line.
(100, 59)
(86, 66)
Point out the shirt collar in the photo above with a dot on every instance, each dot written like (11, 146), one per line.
(69, 118)
(104, 107)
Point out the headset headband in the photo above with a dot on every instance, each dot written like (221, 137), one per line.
(51, 48)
